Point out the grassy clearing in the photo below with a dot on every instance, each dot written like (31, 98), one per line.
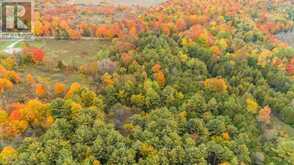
(279, 125)
(69, 52)
(4, 44)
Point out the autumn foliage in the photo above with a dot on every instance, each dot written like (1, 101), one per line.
(252, 106)
(40, 90)
(290, 68)
(159, 75)
(216, 84)
(5, 85)
(7, 154)
(3, 116)
(34, 113)
(35, 54)
(264, 115)
(75, 87)
(30, 79)
(59, 88)
(107, 80)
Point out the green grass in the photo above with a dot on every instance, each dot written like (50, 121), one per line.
(71, 52)
(4, 44)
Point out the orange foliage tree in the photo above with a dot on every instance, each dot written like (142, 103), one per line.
(73, 34)
(59, 88)
(127, 58)
(264, 115)
(158, 75)
(33, 114)
(104, 31)
(40, 90)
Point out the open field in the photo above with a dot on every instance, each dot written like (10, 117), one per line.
(71, 52)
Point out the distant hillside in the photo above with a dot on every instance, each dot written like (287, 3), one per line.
(119, 2)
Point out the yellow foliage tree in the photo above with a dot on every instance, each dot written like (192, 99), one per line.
(75, 107)
(73, 88)
(252, 106)
(263, 57)
(22, 125)
(12, 76)
(107, 80)
(138, 99)
(183, 57)
(146, 149)
(186, 42)
(38, 28)
(96, 162)
(216, 84)
(8, 62)
(5, 84)
(222, 43)
(35, 112)
(48, 122)
(225, 163)
(3, 116)
(7, 154)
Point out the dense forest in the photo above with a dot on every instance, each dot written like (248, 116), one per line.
(184, 82)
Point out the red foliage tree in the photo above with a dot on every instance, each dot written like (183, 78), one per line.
(36, 54)
(15, 115)
(290, 69)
